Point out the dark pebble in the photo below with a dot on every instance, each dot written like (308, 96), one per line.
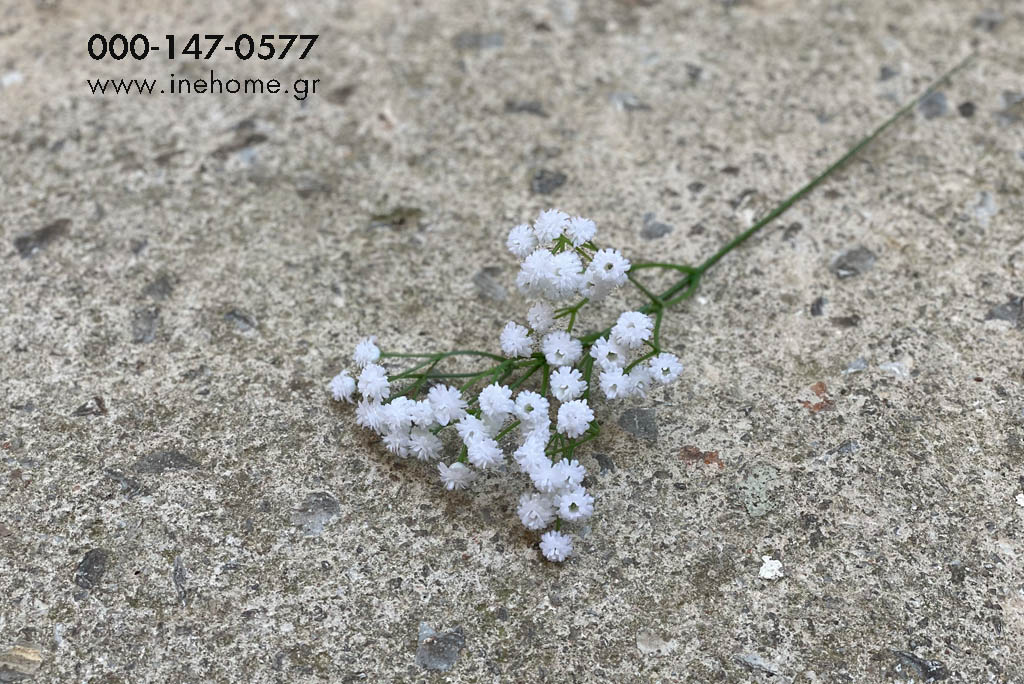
(488, 285)
(887, 72)
(316, 510)
(525, 107)
(340, 95)
(845, 321)
(818, 306)
(652, 229)
(909, 666)
(545, 182)
(1012, 311)
(934, 106)
(436, 651)
(30, 243)
(243, 321)
(160, 288)
(641, 422)
(475, 40)
(966, 109)
(90, 570)
(144, 325)
(853, 262)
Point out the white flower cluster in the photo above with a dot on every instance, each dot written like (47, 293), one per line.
(559, 263)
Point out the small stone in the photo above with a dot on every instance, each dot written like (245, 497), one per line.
(909, 666)
(398, 218)
(966, 109)
(650, 643)
(313, 514)
(94, 407)
(1020, 500)
(475, 40)
(757, 663)
(652, 229)
(243, 321)
(160, 288)
(897, 368)
(525, 107)
(856, 366)
(30, 243)
(640, 422)
(988, 20)
(90, 570)
(160, 462)
(759, 490)
(605, 462)
(934, 105)
(341, 94)
(818, 306)
(984, 208)
(179, 577)
(847, 448)
(628, 102)
(853, 262)
(845, 321)
(144, 325)
(887, 72)
(545, 182)
(488, 285)
(20, 662)
(436, 651)
(771, 569)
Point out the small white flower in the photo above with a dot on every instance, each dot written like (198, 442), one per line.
(373, 383)
(580, 230)
(574, 418)
(496, 401)
(447, 403)
(398, 414)
(561, 349)
(471, 429)
(342, 387)
(536, 511)
(614, 383)
(567, 383)
(544, 475)
(535, 274)
(549, 225)
(770, 569)
(397, 442)
(368, 415)
(423, 414)
(609, 266)
(632, 329)
(456, 476)
(529, 452)
(531, 408)
(556, 546)
(665, 368)
(521, 241)
(567, 276)
(485, 453)
(366, 352)
(639, 381)
(570, 472)
(515, 340)
(541, 317)
(575, 504)
(608, 354)
(424, 445)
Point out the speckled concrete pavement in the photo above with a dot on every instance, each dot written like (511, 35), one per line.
(180, 501)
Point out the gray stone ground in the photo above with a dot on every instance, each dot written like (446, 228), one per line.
(180, 501)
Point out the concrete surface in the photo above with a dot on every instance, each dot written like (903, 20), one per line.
(180, 501)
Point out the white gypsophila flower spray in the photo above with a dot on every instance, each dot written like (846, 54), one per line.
(537, 393)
